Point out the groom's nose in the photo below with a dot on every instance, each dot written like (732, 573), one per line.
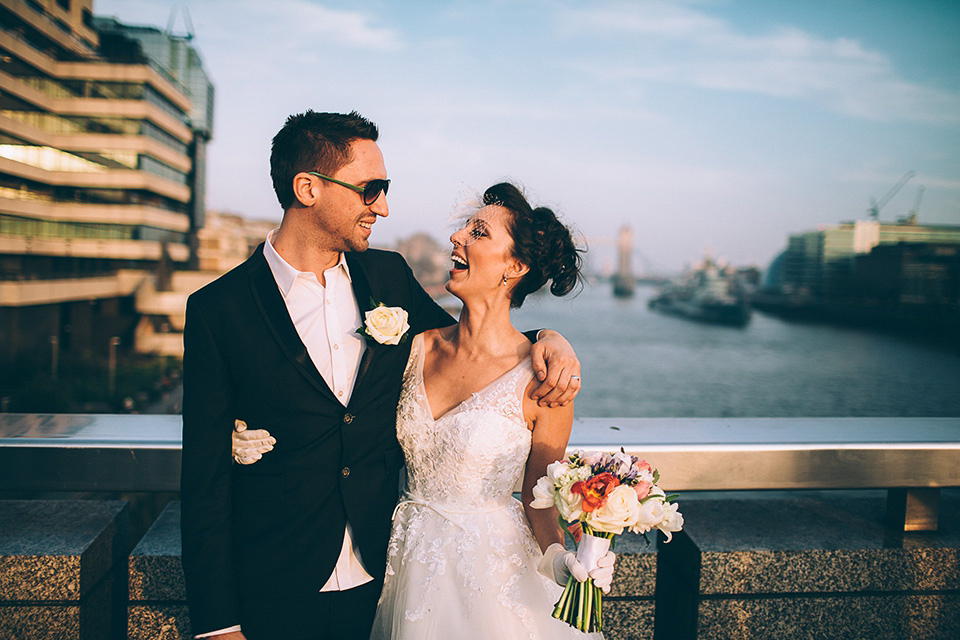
(380, 206)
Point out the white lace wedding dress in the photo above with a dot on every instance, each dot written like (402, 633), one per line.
(462, 561)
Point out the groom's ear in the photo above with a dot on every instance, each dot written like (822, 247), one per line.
(306, 189)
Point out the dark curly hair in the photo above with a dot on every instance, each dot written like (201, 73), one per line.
(312, 141)
(540, 241)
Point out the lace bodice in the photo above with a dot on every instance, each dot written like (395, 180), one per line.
(470, 458)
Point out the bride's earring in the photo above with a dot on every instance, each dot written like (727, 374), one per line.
(504, 282)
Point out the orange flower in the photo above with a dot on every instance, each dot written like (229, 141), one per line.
(595, 490)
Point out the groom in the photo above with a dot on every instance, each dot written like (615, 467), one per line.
(294, 547)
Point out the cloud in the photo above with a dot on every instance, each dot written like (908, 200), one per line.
(354, 29)
(673, 43)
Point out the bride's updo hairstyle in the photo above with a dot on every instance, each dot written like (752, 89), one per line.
(540, 241)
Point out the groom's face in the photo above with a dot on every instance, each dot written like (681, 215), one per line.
(343, 221)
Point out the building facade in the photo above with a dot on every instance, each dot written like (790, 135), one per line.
(821, 266)
(103, 133)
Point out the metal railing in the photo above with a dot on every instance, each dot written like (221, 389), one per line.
(912, 458)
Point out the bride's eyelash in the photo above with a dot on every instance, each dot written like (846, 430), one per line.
(478, 230)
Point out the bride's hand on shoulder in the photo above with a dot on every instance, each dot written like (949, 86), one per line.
(249, 445)
(557, 368)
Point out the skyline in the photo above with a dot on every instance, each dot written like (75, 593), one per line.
(705, 125)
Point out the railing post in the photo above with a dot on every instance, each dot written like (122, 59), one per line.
(916, 509)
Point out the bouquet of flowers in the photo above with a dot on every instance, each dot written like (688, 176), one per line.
(599, 495)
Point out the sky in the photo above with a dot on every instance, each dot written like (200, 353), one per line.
(708, 126)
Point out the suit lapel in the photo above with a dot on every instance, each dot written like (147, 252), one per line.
(364, 295)
(270, 303)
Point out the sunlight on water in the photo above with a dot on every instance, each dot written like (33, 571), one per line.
(637, 363)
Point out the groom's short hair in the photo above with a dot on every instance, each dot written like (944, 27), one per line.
(312, 141)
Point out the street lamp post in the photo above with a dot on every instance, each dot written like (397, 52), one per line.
(54, 357)
(112, 366)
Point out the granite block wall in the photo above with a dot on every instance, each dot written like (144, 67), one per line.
(814, 565)
(629, 608)
(61, 569)
(157, 608)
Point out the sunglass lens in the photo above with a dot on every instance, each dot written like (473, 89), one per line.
(373, 190)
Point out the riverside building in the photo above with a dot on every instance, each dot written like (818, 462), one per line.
(103, 134)
(823, 265)
(902, 276)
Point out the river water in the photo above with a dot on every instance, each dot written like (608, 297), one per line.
(638, 363)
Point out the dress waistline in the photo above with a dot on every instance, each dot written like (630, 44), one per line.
(411, 499)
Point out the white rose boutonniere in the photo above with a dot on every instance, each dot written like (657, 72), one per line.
(386, 325)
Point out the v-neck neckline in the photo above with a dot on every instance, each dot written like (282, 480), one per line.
(422, 356)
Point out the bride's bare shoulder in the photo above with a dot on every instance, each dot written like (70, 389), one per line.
(436, 338)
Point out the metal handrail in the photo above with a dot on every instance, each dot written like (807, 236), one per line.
(911, 457)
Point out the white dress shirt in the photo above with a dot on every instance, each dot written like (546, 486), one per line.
(326, 319)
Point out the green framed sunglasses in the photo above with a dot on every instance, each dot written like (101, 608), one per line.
(370, 192)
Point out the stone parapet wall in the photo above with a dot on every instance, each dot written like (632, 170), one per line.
(810, 564)
(61, 570)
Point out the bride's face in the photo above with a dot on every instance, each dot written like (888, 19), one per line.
(482, 253)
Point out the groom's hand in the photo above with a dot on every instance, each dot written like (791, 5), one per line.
(557, 367)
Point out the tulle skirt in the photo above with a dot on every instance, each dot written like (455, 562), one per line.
(466, 575)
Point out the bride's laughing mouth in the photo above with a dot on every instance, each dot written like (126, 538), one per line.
(459, 263)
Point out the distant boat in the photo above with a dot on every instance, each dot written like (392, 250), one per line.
(707, 294)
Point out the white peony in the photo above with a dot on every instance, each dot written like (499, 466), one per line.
(386, 325)
(621, 510)
(543, 494)
(671, 521)
(650, 515)
(568, 503)
(557, 470)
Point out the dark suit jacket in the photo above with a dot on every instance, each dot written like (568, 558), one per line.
(274, 529)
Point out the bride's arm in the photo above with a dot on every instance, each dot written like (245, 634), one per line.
(551, 431)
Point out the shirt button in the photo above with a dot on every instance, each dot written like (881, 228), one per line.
(336, 347)
(346, 472)
(347, 418)
(339, 394)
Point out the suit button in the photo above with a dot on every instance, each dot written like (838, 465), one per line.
(347, 418)
(346, 472)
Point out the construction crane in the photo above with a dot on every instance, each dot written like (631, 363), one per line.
(874, 210)
(187, 22)
(911, 218)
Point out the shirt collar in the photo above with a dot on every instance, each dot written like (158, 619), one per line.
(286, 275)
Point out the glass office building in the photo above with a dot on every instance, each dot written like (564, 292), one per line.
(103, 129)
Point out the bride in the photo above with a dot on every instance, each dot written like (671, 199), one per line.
(465, 559)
